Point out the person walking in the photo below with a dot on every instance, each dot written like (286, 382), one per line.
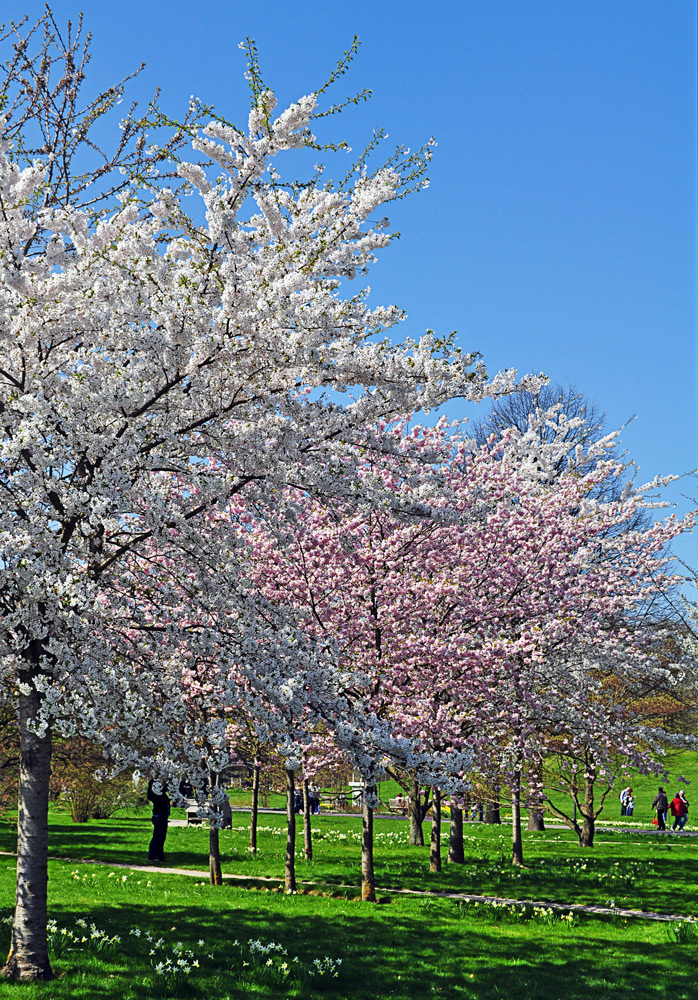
(661, 804)
(157, 794)
(679, 810)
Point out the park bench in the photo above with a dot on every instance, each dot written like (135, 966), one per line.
(398, 805)
(193, 818)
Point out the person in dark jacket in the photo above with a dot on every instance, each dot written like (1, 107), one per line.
(661, 804)
(157, 794)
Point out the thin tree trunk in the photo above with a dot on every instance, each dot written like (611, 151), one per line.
(516, 838)
(214, 846)
(368, 878)
(28, 958)
(416, 831)
(435, 846)
(307, 829)
(535, 810)
(456, 854)
(586, 836)
(290, 867)
(214, 857)
(254, 811)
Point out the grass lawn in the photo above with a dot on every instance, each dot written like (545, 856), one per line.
(652, 872)
(402, 948)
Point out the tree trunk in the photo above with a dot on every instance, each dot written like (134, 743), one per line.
(586, 836)
(535, 818)
(492, 808)
(307, 829)
(435, 846)
(290, 867)
(214, 857)
(368, 879)
(214, 848)
(416, 831)
(535, 810)
(516, 838)
(254, 811)
(28, 958)
(456, 855)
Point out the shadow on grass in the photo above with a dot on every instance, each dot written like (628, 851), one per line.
(386, 951)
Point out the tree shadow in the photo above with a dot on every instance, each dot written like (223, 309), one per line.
(386, 951)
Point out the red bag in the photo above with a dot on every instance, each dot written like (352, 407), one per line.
(655, 821)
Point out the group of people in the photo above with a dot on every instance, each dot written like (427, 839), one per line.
(678, 807)
(313, 800)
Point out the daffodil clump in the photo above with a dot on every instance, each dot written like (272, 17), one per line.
(496, 911)
(268, 962)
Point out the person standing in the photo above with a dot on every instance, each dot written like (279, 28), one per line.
(623, 800)
(157, 794)
(629, 803)
(679, 810)
(661, 804)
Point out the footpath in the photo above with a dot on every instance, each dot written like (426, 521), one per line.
(612, 911)
(627, 830)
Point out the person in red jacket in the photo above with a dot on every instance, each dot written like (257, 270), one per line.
(679, 810)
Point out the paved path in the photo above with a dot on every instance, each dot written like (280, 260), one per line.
(470, 822)
(457, 896)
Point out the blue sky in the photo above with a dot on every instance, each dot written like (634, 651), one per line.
(559, 230)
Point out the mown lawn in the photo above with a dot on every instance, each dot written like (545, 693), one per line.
(403, 948)
(650, 872)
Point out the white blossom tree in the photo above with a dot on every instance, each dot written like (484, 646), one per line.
(141, 340)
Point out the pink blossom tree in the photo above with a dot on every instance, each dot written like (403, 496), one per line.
(486, 618)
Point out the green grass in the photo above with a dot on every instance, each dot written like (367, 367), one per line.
(404, 948)
(682, 763)
(651, 872)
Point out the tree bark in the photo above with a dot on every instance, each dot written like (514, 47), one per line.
(456, 854)
(214, 847)
(516, 838)
(535, 810)
(290, 865)
(586, 835)
(214, 857)
(28, 958)
(416, 831)
(307, 829)
(435, 846)
(492, 808)
(368, 878)
(254, 810)
(535, 818)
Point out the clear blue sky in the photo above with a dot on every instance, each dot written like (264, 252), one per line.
(559, 231)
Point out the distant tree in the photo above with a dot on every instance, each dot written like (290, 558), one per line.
(571, 420)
